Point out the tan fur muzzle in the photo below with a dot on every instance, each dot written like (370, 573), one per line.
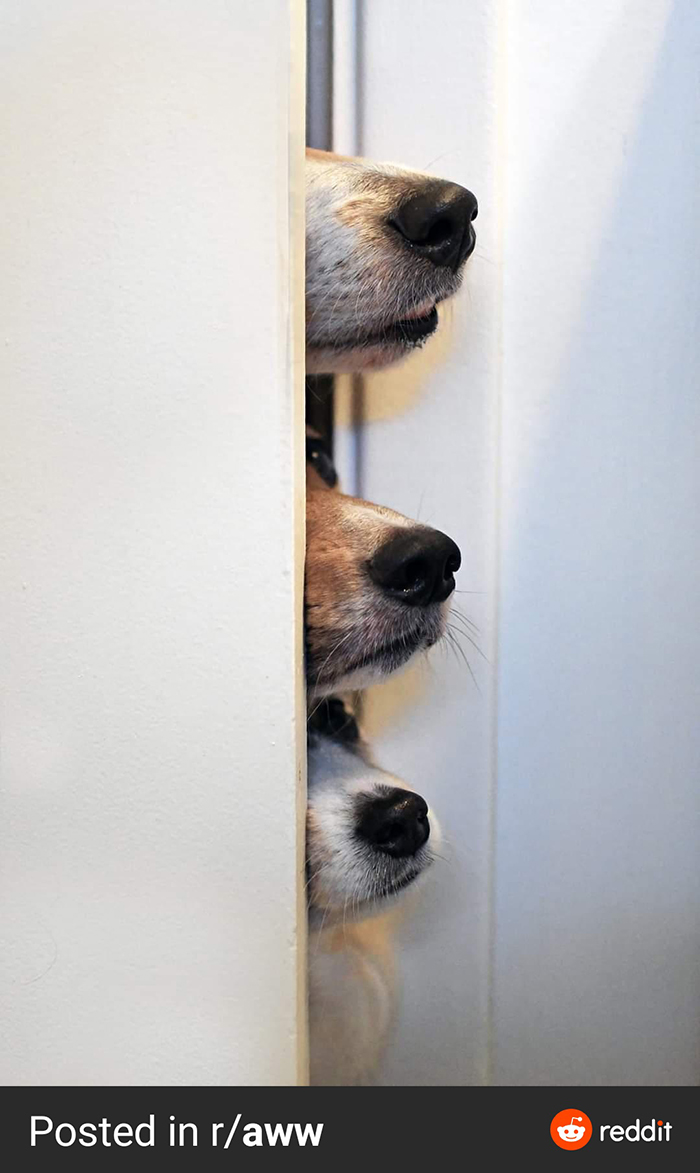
(358, 630)
(384, 246)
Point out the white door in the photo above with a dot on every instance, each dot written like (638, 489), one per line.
(553, 429)
(151, 536)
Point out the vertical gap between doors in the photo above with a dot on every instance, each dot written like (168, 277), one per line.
(319, 134)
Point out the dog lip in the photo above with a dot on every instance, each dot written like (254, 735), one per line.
(382, 892)
(393, 887)
(421, 311)
(410, 330)
(413, 329)
(406, 644)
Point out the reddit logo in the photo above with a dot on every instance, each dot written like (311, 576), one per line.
(571, 1129)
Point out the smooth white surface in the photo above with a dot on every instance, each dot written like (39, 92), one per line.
(428, 450)
(554, 431)
(152, 537)
(598, 864)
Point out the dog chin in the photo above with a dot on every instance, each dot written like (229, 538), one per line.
(365, 905)
(376, 346)
(354, 360)
(352, 681)
(382, 663)
(367, 674)
(380, 891)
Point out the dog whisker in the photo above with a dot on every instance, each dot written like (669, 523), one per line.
(462, 654)
(457, 613)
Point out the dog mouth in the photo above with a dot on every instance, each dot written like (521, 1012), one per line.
(391, 654)
(392, 887)
(376, 892)
(386, 887)
(412, 329)
(325, 674)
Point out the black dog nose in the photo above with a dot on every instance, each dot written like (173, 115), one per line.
(396, 823)
(437, 223)
(417, 566)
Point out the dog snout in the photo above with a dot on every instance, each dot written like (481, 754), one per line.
(417, 566)
(437, 223)
(396, 823)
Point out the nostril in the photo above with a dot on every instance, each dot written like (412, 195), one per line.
(435, 222)
(385, 832)
(416, 566)
(395, 823)
(453, 564)
(424, 232)
(413, 575)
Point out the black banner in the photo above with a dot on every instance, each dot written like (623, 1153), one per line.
(219, 1128)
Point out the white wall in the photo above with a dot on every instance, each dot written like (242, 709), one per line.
(151, 536)
(428, 449)
(598, 868)
(553, 430)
